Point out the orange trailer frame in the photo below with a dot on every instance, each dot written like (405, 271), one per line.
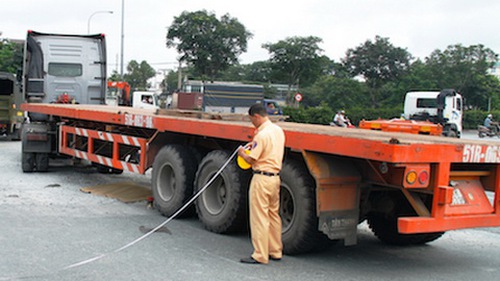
(459, 172)
(403, 126)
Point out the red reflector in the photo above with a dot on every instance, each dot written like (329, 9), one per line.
(423, 177)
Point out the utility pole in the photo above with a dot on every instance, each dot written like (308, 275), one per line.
(122, 38)
(179, 75)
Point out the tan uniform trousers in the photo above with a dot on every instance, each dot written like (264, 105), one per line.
(265, 222)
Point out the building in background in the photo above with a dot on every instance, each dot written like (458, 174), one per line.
(495, 70)
(156, 83)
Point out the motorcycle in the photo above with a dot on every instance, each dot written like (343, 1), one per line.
(483, 131)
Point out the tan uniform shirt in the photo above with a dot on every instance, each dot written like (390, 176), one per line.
(268, 148)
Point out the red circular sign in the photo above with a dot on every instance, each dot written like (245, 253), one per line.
(298, 97)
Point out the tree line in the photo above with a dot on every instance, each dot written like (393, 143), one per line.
(369, 81)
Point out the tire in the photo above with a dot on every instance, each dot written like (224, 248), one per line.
(298, 210)
(385, 227)
(481, 134)
(452, 134)
(222, 208)
(172, 179)
(28, 162)
(42, 162)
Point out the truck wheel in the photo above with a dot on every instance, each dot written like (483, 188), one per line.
(385, 227)
(28, 162)
(172, 179)
(298, 210)
(42, 162)
(222, 207)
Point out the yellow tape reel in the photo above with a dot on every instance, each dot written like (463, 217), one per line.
(242, 163)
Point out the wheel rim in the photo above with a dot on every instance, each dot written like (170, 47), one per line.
(287, 207)
(166, 182)
(215, 196)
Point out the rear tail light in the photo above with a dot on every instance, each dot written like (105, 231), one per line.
(423, 177)
(411, 177)
(416, 176)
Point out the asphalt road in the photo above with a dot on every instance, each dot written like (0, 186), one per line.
(48, 224)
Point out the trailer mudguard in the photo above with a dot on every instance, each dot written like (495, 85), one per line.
(337, 195)
(36, 138)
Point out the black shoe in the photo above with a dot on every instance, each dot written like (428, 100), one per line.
(274, 259)
(249, 260)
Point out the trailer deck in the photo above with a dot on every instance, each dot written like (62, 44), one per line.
(359, 143)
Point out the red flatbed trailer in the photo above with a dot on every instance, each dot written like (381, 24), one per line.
(411, 188)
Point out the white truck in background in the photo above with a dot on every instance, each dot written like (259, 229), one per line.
(145, 100)
(444, 107)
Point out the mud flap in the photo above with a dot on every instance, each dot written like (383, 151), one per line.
(337, 195)
(36, 138)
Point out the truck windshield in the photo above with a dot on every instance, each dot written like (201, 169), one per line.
(65, 69)
(426, 103)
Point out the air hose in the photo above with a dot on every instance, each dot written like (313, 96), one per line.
(98, 257)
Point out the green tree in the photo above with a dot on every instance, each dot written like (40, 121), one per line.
(296, 60)
(208, 44)
(338, 93)
(138, 74)
(377, 63)
(235, 72)
(417, 78)
(256, 72)
(171, 80)
(464, 69)
(11, 56)
(259, 71)
(115, 76)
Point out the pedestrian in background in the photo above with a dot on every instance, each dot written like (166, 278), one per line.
(266, 157)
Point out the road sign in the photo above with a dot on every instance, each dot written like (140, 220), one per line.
(298, 97)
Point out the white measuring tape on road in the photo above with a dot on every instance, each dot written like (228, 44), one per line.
(87, 261)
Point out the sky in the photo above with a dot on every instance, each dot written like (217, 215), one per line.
(419, 26)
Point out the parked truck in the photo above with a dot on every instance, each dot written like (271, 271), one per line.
(145, 100)
(430, 113)
(58, 68)
(439, 107)
(219, 97)
(410, 189)
(11, 116)
(118, 93)
(63, 68)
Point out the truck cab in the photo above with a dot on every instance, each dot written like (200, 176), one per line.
(272, 107)
(11, 116)
(63, 68)
(444, 107)
(118, 93)
(145, 100)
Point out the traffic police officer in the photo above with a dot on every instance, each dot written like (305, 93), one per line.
(266, 157)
